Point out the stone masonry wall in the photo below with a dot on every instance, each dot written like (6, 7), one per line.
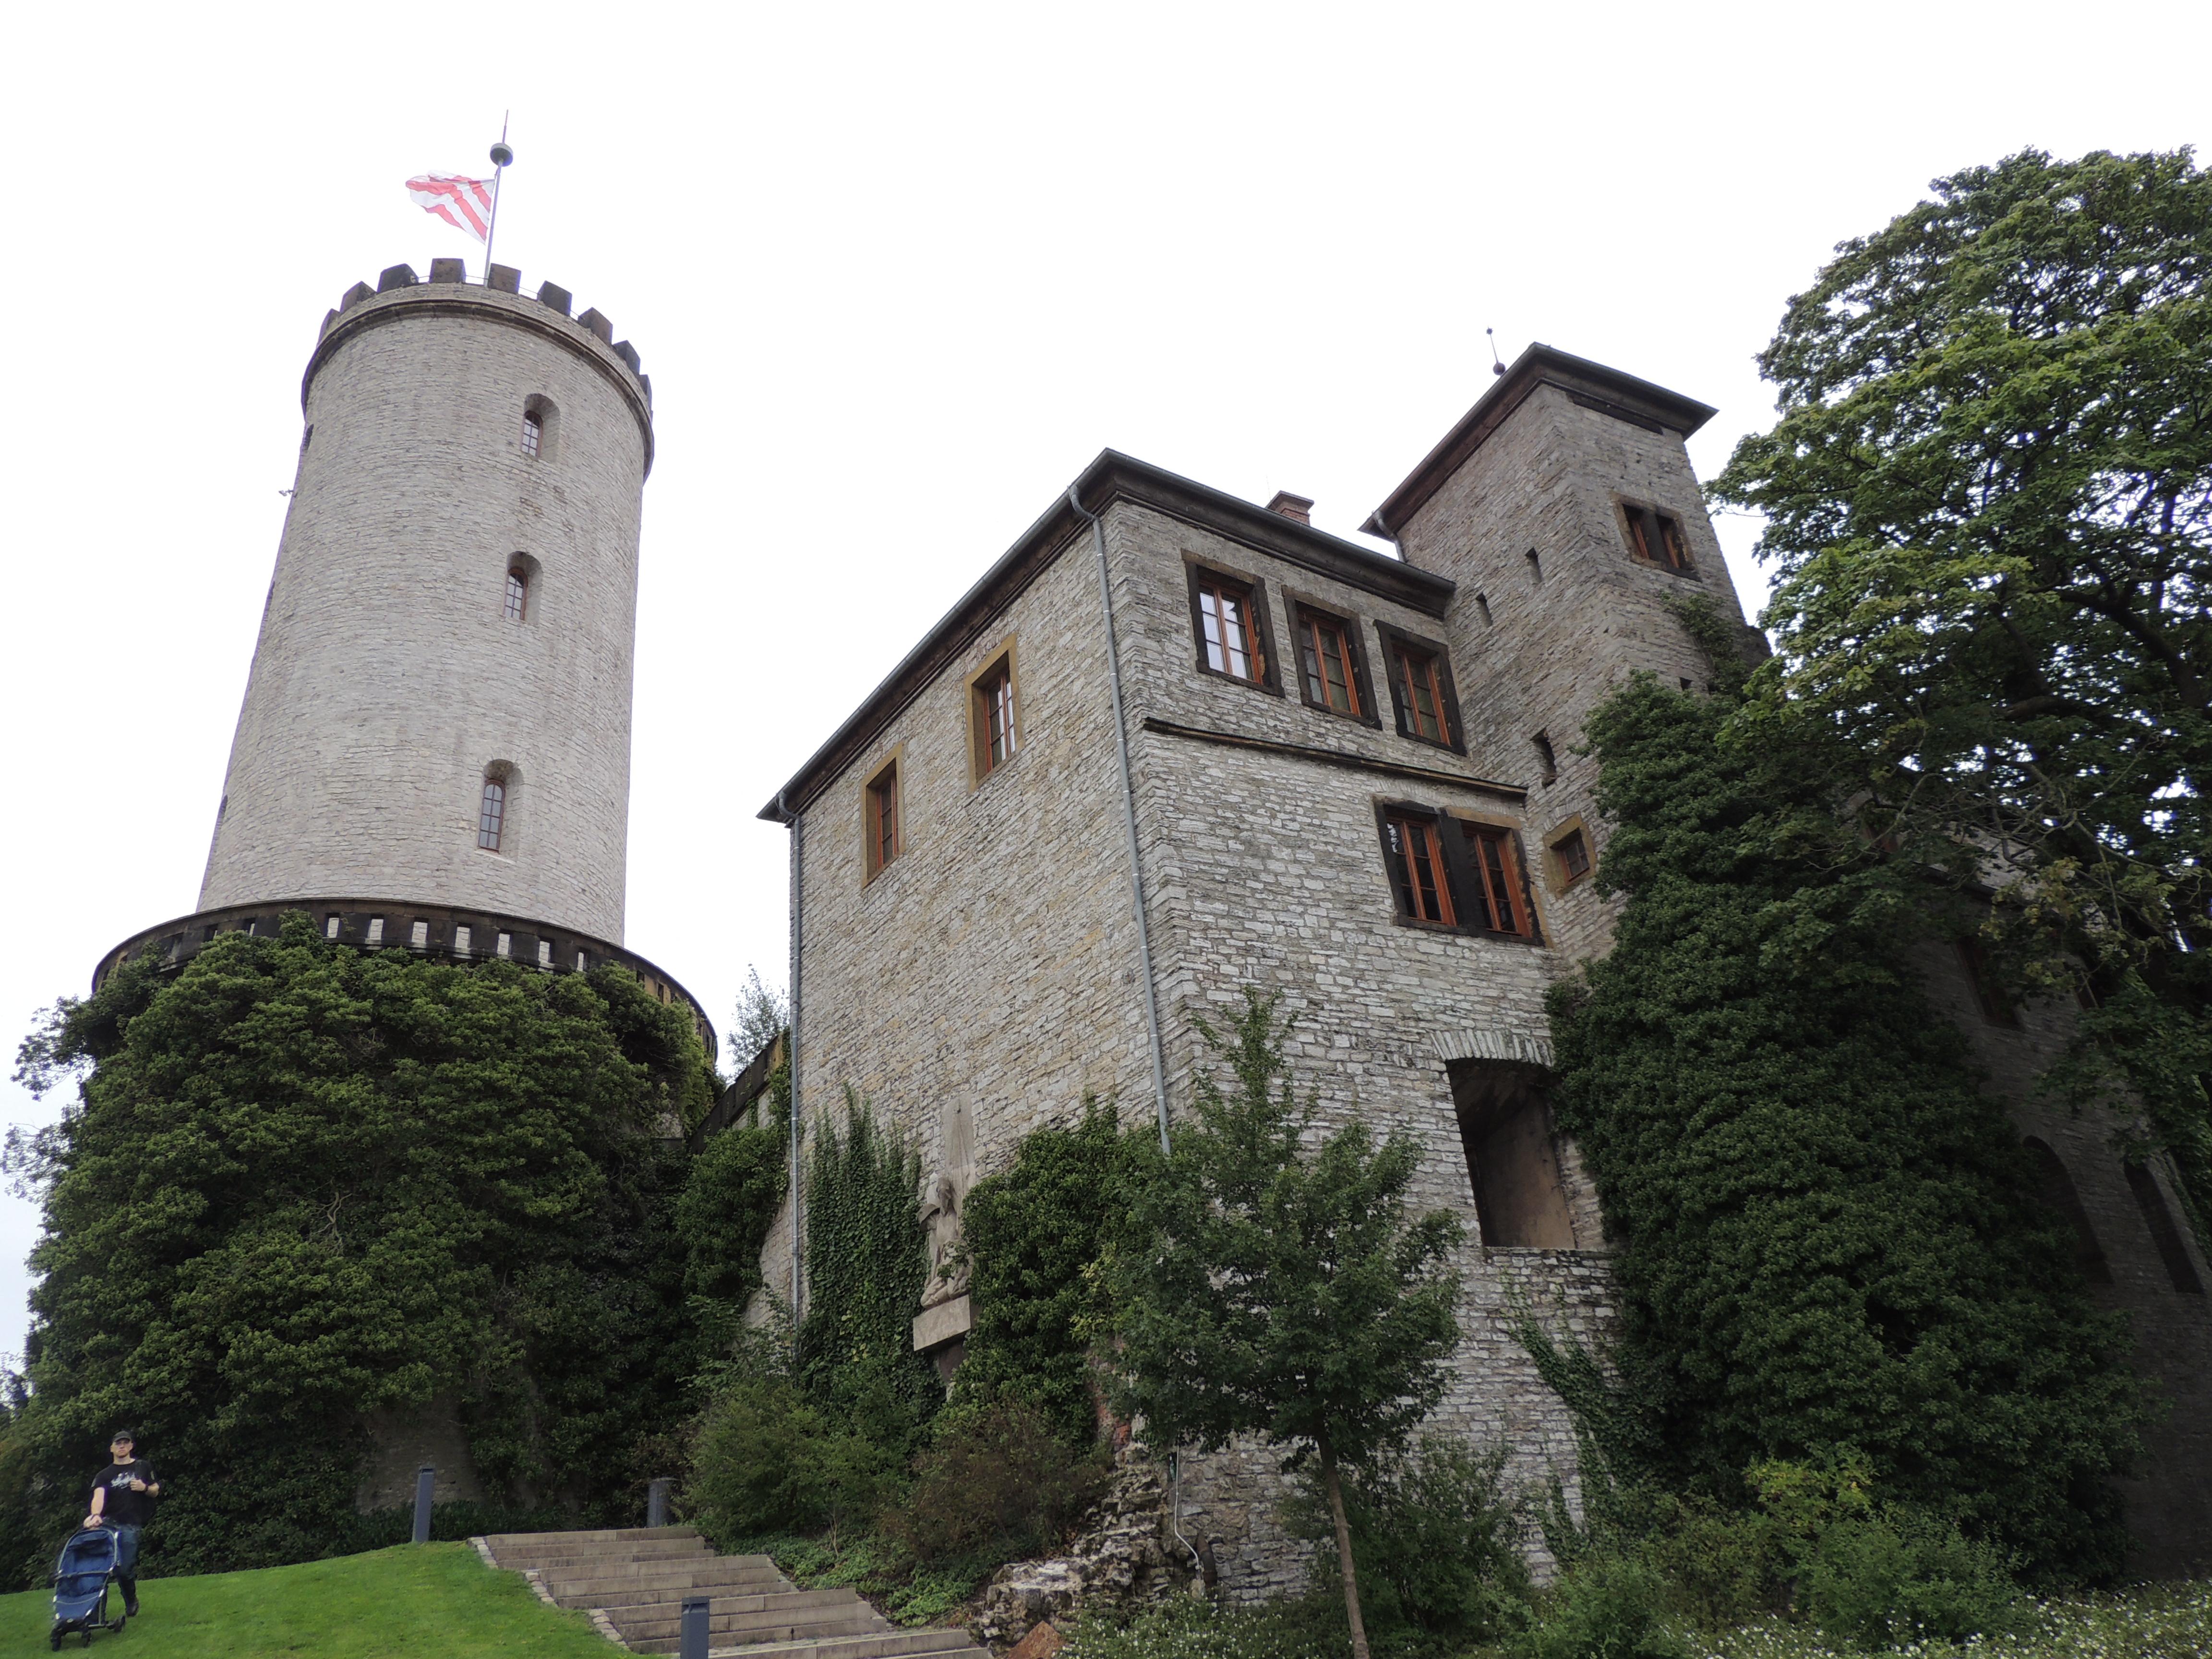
(1267, 871)
(387, 677)
(1551, 478)
(984, 981)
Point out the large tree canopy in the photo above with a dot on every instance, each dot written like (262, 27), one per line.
(1990, 498)
(304, 1182)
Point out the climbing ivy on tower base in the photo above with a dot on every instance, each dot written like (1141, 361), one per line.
(1828, 1235)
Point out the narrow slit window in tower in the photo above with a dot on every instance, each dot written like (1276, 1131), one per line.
(492, 816)
(1546, 762)
(533, 433)
(518, 593)
(991, 720)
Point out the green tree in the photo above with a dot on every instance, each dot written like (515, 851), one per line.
(305, 1183)
(1267, 1289)
(1989, 499)
(1827, 1235)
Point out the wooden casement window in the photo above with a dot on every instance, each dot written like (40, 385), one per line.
(1415, 853)
(1657, 538)
(533, 433)
(885, 842)
(518, 593)
(991, 717)
(1448, 871)
(1501, 887)
(1421, 687)
(491, 815)
(1328, 655)
(1229, 635)
(1572, 851)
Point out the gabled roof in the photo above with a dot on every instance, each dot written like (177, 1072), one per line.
(1112, 478)
(1592, 384)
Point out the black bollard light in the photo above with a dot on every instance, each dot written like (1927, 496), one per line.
(691, 1637)
(656, 1503)
(426, 1479)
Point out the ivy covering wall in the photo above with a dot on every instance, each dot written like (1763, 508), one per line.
(304, 1183)
(1828, 1237)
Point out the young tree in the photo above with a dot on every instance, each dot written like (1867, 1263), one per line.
(1265, 1287)
(1990, 498)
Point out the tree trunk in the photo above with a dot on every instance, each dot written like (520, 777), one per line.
(1343, 1547)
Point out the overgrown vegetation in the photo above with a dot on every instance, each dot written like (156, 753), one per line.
(304, 1183)
(1827, 1237)
(1032, 1234)
(1990, 501)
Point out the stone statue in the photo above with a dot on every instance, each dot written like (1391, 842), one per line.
(940, 1216)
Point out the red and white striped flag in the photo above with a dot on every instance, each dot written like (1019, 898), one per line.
(464, 203)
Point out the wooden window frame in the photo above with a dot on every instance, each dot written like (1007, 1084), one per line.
(1205, 575)
(1555, 860)
(517, 609)
(1468, 889)
(533, 433)
(1429, 841)
(981, 765)
(886, 782)
(1396, 644)
(1307, 617)
(1656, 538)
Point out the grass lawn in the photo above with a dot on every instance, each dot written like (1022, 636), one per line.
(418, 1599)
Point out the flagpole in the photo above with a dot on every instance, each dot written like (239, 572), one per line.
(501, 157)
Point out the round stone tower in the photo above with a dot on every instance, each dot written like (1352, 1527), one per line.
(434, 750)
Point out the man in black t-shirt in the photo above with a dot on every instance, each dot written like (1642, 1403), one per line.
(123, 1497)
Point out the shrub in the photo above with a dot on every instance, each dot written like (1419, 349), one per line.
(997, 1481)
(1889, 1579)
(766, 1458)
(1605, 1607)
(1436, 1543)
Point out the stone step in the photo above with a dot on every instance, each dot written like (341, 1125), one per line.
(656, 1632)
(777, 1603)
(885, 1644)
(709, 1578)
(499, 1541)
(626, 1549)
(604, 1562)
(593, 1566)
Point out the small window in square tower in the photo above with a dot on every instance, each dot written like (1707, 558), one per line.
(1657, 538)
(884, 839)
(1512, 1161)
(533, 433)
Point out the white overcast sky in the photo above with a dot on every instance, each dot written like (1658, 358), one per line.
(897, 272)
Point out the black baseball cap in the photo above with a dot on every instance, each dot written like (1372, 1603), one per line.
(122, 1434)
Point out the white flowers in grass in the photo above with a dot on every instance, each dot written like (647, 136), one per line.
(2151, 1621)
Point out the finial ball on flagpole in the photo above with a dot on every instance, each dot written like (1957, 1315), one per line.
(501, 155)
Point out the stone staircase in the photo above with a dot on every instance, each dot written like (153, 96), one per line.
(634, 1583)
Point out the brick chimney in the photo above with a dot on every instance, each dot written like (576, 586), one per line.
(1291, 506)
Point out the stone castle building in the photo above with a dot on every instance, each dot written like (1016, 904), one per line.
(1173, 743)
(434, 751)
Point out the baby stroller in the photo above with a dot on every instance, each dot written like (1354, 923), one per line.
(81, 1586)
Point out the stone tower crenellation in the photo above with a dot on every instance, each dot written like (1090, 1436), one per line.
(433, 750)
